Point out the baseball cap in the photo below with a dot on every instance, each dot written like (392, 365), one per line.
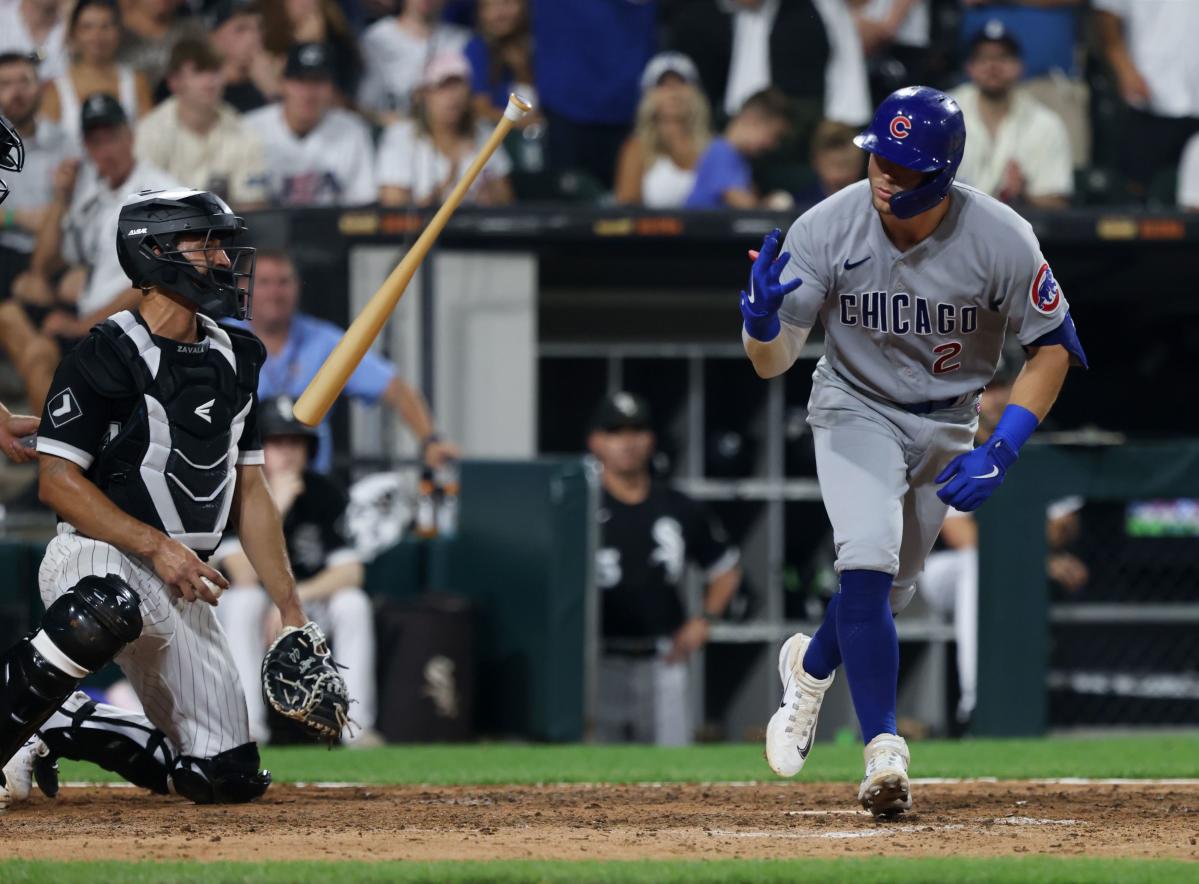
(668, 63)
(445, 66)
(621, 411)
(308, 61)
(995, 31)
(101, 109)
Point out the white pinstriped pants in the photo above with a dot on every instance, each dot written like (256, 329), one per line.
(180, 667)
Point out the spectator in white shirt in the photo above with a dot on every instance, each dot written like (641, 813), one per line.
(1150, 45)
(75, 279)
(1017, 150)
(35, 27)
(197, 138)
(396, 50)
(316, 154)
(420, 160)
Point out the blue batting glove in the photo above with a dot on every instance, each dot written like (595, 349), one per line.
(760, 306)
(973, 477)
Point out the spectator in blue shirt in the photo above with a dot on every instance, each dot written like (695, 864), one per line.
(724, 177)
(501, 58)
(297, 345)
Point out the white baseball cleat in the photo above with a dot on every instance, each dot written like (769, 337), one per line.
(885, 790)
(791, 728)
(18, 773)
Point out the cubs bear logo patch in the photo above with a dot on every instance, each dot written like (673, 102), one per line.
(901, 126)
(1045, 293)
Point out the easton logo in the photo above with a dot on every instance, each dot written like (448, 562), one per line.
(1045, 293)
(205, 411)
(901, 126)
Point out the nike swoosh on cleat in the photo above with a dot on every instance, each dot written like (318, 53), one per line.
(991, 475)
(851, 266)
(807, 747)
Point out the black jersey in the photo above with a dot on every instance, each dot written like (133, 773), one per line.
(314, 528)
(644, 549)
(159, 425)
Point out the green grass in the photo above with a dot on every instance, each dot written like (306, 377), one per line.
(1030, 870)
(507, 763)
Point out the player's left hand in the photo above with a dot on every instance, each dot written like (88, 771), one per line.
(690, 637)
(760, 305)
(973, 477)
(12, 428)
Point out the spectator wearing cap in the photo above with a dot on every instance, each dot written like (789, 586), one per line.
(35, 27)
(501, 59)
(1017, 150)
(93, 36)
(657, 163)
(74, 279)
(316, 154)
(895, 39)
(31, 189)
(149, 30)
(251, 75)
(1150, 45)
(396, 50)
(420, 160)
(836, 161)
(197, 138)
(288, 22)
(590, 55)
(649, 533)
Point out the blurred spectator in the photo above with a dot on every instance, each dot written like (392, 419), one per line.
(420, 160)
(658, 161)
(396, 50)
(1048, 34)
(1017, 149)
(297, 345)
(1150, 46)
(288, 22)
(93, 35)
(724, 177)
(1188, 177)
(316, 154)
(32, 189)
(197, 138)
(74, 279)
(35, 27)
(329, 576)
(895, 39)
(149, 30)
(252, 76)
(836, 160)
(589, 58)
(809, 49)
(648, 534)
(501, 58)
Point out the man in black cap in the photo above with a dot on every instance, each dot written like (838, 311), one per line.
(648, 534)
(316, 154)
(1018, 150)
(74, 279)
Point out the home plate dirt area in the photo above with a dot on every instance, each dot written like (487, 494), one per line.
(610, 822)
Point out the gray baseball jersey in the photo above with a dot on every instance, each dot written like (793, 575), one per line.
(928, 323)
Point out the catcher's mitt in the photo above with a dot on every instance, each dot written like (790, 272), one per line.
(300, 681)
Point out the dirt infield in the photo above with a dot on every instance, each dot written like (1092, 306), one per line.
(608, 822)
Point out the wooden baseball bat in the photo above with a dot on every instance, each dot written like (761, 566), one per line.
(326, 386)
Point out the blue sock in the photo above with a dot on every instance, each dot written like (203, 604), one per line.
(824, 653)
(866, 633)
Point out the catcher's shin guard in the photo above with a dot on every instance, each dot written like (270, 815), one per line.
(229, 777)
(82, 630)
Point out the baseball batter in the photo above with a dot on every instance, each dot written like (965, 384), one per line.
(916, 281)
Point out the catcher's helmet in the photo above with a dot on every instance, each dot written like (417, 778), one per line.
(921, 129)
(12, 152)
(148, 232)
(275, 418)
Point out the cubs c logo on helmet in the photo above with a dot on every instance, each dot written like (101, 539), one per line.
(1045, 292)
(901, 126)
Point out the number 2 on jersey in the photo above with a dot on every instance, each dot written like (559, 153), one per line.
(946, 354)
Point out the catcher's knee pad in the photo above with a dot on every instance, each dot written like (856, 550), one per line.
(230, 777)
(82, 630)
(901, 597)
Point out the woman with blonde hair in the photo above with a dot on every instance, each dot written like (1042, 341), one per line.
(93, 37)
(656, 166)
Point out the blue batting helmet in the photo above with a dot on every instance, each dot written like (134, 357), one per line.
(921, 129)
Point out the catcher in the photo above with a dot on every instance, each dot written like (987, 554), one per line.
(149, 446)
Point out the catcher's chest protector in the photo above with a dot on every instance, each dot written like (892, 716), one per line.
(172, 463)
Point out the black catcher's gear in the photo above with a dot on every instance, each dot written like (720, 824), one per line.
(229, 777)
(275, 418)
(12, 152)
(301, 681)
(148, 234)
